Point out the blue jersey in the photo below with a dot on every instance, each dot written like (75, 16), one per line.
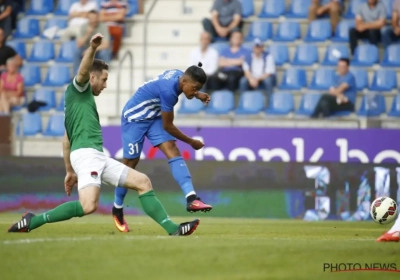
(154, 96)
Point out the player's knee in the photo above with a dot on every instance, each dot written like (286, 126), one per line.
(170, 149)
(89, 206)
(144, 184)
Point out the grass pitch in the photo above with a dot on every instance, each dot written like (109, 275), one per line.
(91, 248)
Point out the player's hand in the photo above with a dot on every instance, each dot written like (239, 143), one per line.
(204, 97)
(96, 40)
(69, 182)
(196, 144)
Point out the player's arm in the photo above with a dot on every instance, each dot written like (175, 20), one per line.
(66, 154)
(168, 125)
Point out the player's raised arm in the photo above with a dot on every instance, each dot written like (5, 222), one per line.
(83, 73)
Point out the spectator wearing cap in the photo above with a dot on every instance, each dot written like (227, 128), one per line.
(259, 70)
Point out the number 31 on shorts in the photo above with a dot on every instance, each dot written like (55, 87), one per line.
(133, 148)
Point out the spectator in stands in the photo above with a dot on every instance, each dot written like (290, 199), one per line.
(370, 18)
(113, 13)
(230, 63)
(259, 70)
(5, 17)
(319, 8)
(88, 30)
(17, 6)
(78, 16)
(226, 18)
(391, 34)
(208, 56)
(7, 52)
(341, 96)
(11, 87)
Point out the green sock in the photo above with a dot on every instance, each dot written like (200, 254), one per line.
(62, 212)
(153, 207)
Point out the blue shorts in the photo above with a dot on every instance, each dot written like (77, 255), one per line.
(133, 134)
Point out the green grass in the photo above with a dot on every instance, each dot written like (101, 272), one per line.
(91, 248)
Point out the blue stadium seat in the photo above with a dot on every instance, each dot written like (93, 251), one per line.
(395, 108)
(45, 95)
(298, 9)
(261, 30)
(27, 28)
(342, 31)
(323, 79)
(365, 55)
(318, 31)
(222, 102)
(294, 79)
(272, 9)
(18, 46)
(307, 105)
(31, 74)
(133, 8)
(372, 105)
(57, 75)
(287, 31)
(190, 106)
(40, 7)
(63, 7)
(42, 51)
(250, 103)
(60, 106)
(280, 53)
(219, 46)
(67, 51)
(280, 103)
(55, 126)
(388, 5)
(384, 80)
(333, 53)
(391, 57)
(31, 124)
(247, 8)
(53, 22)
(353, 8)
(305, 55)
(361, 77)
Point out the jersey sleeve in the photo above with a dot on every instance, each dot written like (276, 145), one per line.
(80, 87)
(167, 100)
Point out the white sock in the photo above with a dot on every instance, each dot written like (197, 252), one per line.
(191, 193)
(396, 226)
(118, 206)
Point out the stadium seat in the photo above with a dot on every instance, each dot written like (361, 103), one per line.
(361, 77)
(250, 103)
(40, 7)
(27, 28)
(45, 95)
(323, 79)
(222, 102)
(42, 51)
(307, 105)
(384, 80)
(298, 9)
(18, 46)
(219, 46)
(261, 30)
(333, 53)
(305, 55)
(280, 103)
(372, 105)
(60, 106)
(353, 8)
(272, 9)
(67, 51)
(57, 75)
(55, 126)
(293, 79)
(365, 55)
(388, 5)
(31, 74)
(31, 124)
(280, 53)
(342, 31)
(133, 8)
(190, 106)
(318, 31)
(395, 108)
(63, 7)
(247, 8)
(55, 22)
(287, 31)
(391, 57)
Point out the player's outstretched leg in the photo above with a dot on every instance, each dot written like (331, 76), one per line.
(393, 235)
(118, 209)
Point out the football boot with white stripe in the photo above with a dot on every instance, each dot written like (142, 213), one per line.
(23, 224)
(186, 228)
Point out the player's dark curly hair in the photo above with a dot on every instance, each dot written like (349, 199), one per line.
(196, 73)
(98, 66)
